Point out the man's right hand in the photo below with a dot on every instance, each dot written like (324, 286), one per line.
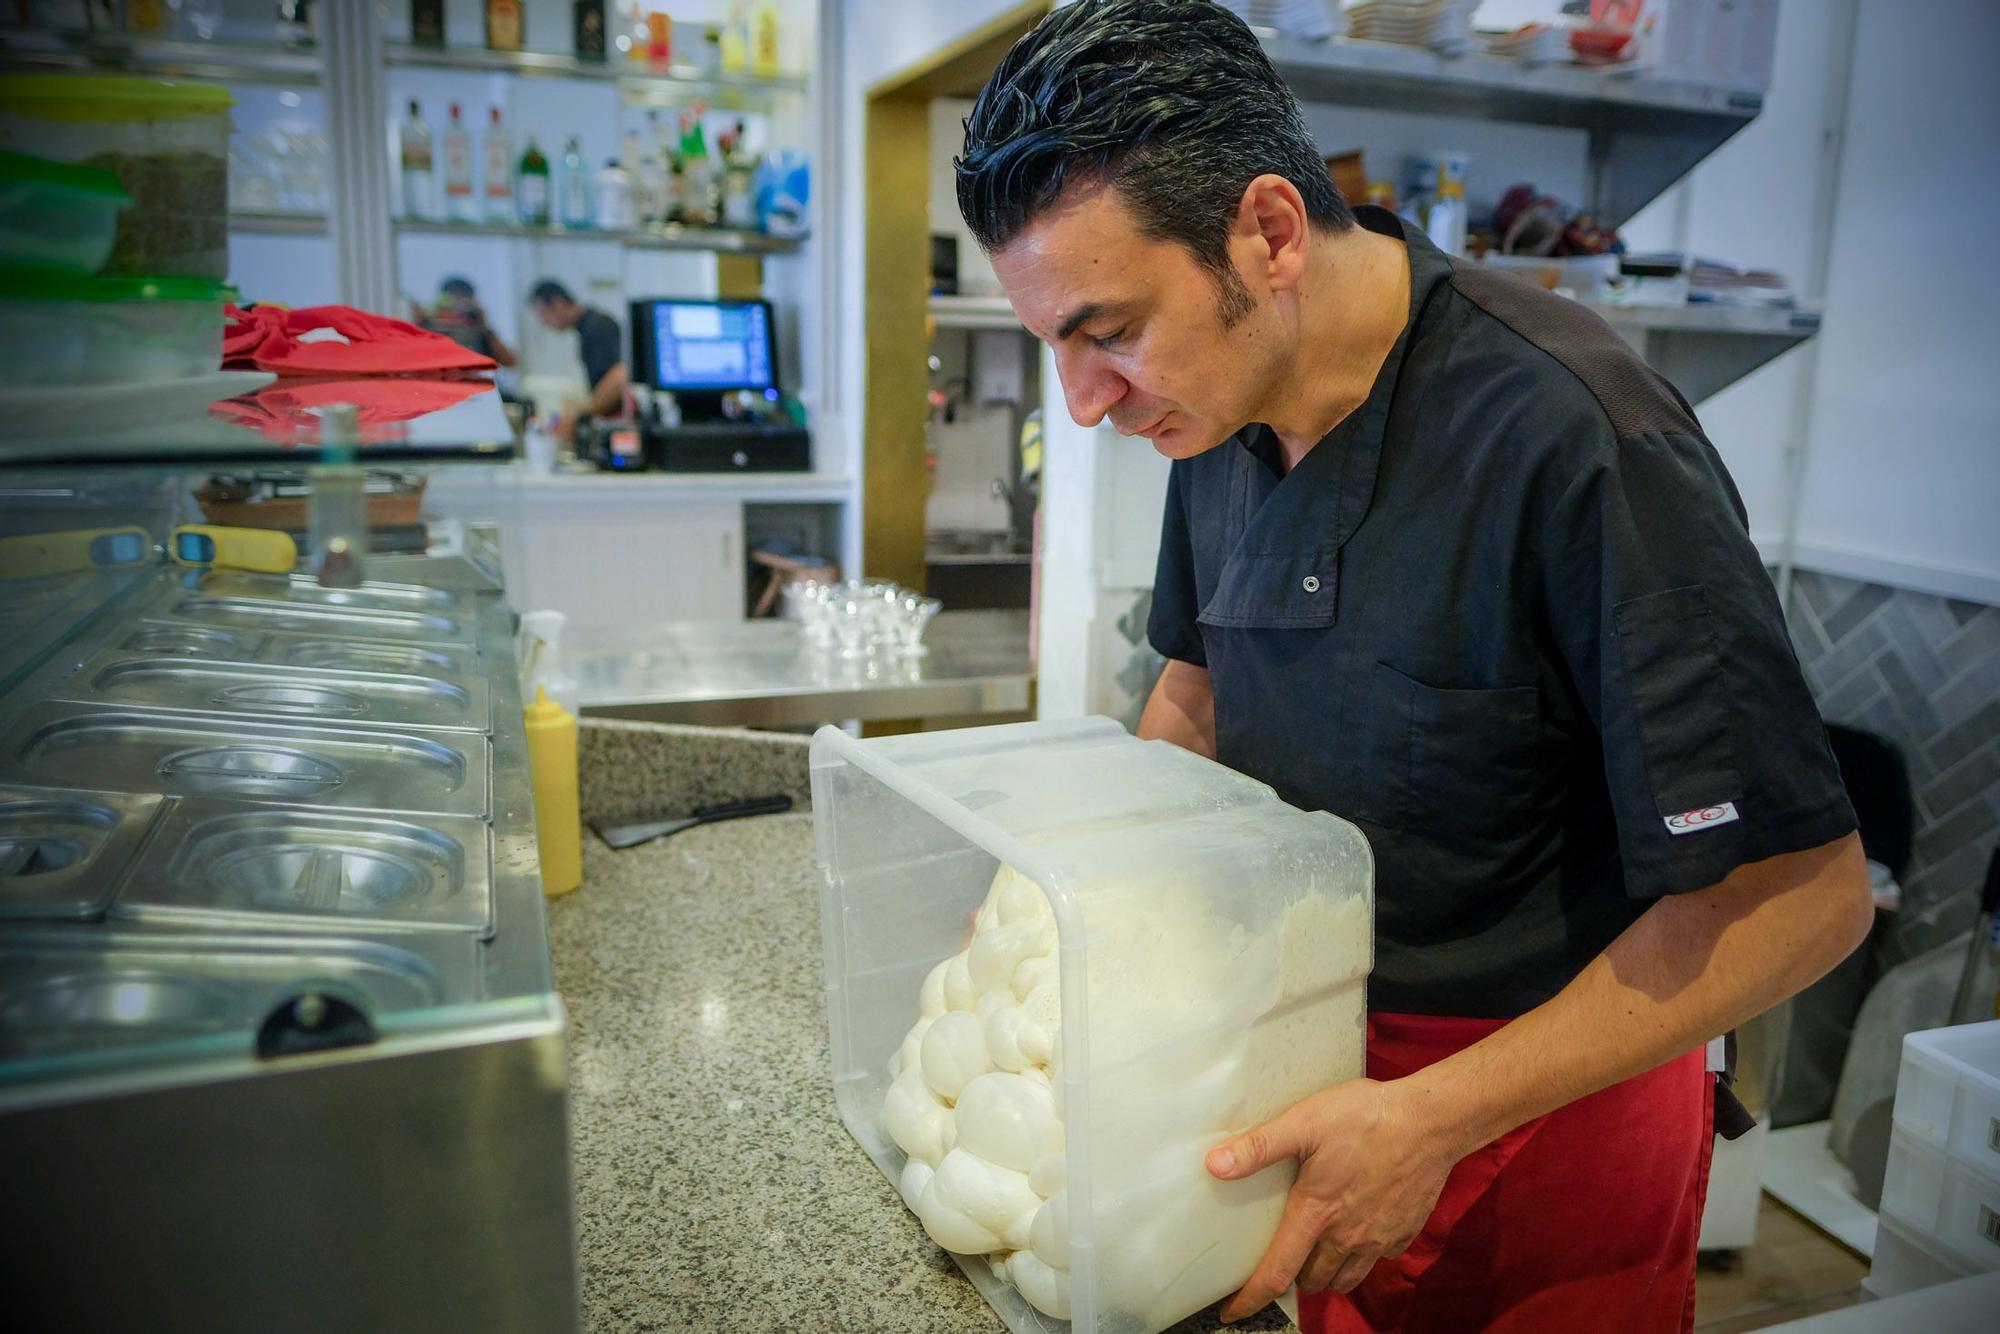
(1181, 709)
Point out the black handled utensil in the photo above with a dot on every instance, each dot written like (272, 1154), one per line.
(623, 836)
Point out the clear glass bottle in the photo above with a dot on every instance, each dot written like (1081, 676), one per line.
(460, 203)
(499, 180)
(573, 186)
(417, 170)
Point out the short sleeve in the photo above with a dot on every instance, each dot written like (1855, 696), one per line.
(598, 344)
(1714, 751)
(1171, 626)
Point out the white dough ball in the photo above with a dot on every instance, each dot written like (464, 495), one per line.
(959, 993)
(930, 998)
(1008, 1120)
(1046, 1289)
(1049, 1174)
(916, 1180)
(954, 1053)
(1048, 1235)
(990, 1196)
(951, 1229)
(1021, 900)
(915, 1118)
(912, 1051)
(996, 952)
(1030, 973)
(1003, 1035)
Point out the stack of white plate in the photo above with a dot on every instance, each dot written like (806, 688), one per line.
(1445, 26)
(1313, 20)
(1531, 44)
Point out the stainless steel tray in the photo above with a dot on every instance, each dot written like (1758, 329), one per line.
(191, 641)
(360, 655)
(232, 865)
(197, 755)
(61, 851)
(71, 992)
(307, 618)
(303, 588)
(261, 690)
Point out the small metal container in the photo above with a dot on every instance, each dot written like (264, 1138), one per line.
(235, 865)
(260, 690)
(61, 852)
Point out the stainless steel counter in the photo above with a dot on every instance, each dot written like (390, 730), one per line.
(765, 673)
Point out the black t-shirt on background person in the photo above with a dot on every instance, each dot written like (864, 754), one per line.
(600, 344)
(1507, 618)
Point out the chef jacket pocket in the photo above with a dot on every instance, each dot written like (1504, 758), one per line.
(1480, 766)
(1679, 701)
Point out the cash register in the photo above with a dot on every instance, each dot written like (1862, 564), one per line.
(712, 356)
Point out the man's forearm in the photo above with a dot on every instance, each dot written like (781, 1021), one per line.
(1181, 709)
(608, 392)
(1692, 967)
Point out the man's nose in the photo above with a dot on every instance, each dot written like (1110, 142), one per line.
(1089, 390)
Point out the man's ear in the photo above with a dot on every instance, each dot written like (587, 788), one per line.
(1271, 220)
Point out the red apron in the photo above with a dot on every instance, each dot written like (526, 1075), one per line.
(1584, 1219)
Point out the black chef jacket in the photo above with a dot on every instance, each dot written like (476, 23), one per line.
(1507, 619)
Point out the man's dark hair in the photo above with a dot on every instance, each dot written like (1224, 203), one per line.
(1170, 102)
(456, 286)
(547, 290)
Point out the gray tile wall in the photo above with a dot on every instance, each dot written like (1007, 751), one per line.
(1923, 671)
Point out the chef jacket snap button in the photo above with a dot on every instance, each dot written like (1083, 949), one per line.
(1310, 583)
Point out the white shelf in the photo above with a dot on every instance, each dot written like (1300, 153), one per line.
(750, 487)
(973, 312)
(671, 236)
(129, 53)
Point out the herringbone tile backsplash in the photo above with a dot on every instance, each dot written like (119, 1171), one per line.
(1923, 671)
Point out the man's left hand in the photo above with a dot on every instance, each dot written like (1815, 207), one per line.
(1370, 1172)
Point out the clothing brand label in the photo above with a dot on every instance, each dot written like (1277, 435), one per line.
(1706, 817)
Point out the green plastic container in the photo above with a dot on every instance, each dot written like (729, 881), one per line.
(70, 329)
(57, 216)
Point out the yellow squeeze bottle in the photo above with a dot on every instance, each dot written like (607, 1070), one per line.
(558, 817)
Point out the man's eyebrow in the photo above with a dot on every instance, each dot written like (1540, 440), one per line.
(1084, 313)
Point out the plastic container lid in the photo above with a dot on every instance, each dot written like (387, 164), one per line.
(67, 97)
(62, 175)
(27, 284)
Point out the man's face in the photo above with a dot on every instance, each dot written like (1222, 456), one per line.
(1138, 326)
(552, 314)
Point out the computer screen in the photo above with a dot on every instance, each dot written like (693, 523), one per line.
(705, 346)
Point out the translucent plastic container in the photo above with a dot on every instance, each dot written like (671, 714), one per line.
(1954, 1210)
(56, 215)
(1948, 1092)
(1140, 849)
(1905, 1260)
(168, 145)
(65, 329)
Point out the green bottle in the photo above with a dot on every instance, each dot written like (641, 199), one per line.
(698, 172)
(533, 186)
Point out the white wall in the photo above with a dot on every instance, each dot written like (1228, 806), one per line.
(1903, 478)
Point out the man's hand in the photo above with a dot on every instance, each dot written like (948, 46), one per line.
(1369, 1174)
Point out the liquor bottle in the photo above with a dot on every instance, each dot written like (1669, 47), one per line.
(460, 204)
(419, 178)
(589, 25)
(499, 171)
(697, 172)
(631, 153)
(575, 186)
(656, 170)
(426, 22)
(503, 25)
(532, 188)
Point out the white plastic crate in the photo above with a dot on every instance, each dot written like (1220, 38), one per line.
(1128, 841)
(1905, 1260)
(1942, 1202)
(1948, 1092)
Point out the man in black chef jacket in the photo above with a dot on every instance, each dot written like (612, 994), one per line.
(599, 344)
(1441, 556)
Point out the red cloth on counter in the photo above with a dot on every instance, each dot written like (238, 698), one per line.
(1584, 1219)
(289, 411)
(272, 338)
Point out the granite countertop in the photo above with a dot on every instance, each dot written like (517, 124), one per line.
(716, 1186)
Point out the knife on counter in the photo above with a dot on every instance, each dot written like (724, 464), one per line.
(621, 836)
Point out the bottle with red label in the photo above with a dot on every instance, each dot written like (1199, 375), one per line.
(460, 204)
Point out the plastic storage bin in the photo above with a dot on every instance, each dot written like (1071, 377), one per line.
(1905, 1260)
(168, 145)
(1948, 1092)
(1126, 839)
(56, 215)
(66, 329)
(1939, 1199)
